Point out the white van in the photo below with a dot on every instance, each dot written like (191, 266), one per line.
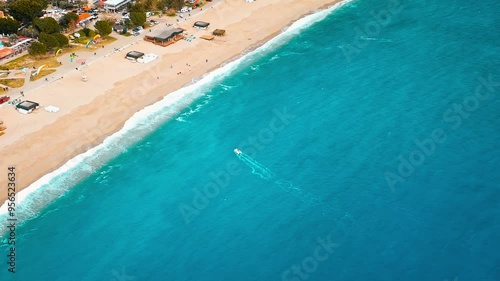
(148, 14)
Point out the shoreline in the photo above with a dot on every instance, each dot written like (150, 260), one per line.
(56, 160)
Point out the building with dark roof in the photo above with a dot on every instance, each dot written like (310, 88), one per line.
(201, 25)
(134, 55)
(165, 37)
(27, 106)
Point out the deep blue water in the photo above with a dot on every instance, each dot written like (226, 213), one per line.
(323, 121)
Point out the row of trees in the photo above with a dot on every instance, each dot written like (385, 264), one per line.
(148, 5)
(50, 42)
(46, 25)
(26, 11)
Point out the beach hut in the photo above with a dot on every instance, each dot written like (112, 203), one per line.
(165, 37)
(207, 37)
(134, 55)
(219, 32)
(27, 106)
(201, 25)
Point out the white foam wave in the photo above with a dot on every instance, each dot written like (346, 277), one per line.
(55, 184)
(376, 39)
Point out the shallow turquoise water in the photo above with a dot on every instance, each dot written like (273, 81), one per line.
(321, 132)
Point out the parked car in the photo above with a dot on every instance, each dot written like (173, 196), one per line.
(136, 33)
(4, 99)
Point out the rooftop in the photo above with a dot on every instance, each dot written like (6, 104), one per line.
(114, 2)
(27, 105)
(5, 52)
(165, 34)
(201, 24)
(134, 54)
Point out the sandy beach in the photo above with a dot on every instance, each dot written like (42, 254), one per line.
(38, 143)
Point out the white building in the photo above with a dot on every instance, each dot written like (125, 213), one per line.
(115, 5)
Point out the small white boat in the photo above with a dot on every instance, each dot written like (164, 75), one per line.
(237, 151)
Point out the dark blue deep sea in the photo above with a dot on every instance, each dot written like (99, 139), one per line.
(371, 151)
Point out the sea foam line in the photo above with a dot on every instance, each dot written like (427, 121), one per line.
(45, 190)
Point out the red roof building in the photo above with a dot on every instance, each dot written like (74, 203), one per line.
(5, 52)
(83, 17)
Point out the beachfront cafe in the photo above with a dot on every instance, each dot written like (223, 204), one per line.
(165, 37)
(201, 25)
(26, 107)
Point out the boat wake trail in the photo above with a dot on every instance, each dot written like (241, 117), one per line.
(285, 185)
(256, 167)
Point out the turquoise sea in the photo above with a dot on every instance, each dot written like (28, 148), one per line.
(371, 151)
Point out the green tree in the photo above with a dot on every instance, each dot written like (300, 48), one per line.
(61, 39)
(104, 27)
(8, 25)
(48, 40)
(29, 31)
(138, 18)
(161, 5)
(46, 25)
(37, 49)
(175, 4)
(86, 32)
(69, 20)
(27, 10)
(137, 7)
(92, 34)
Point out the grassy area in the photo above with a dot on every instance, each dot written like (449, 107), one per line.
(13, 83)
(30, 62)
(92, 48)
(42, 74)
(100, 42)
